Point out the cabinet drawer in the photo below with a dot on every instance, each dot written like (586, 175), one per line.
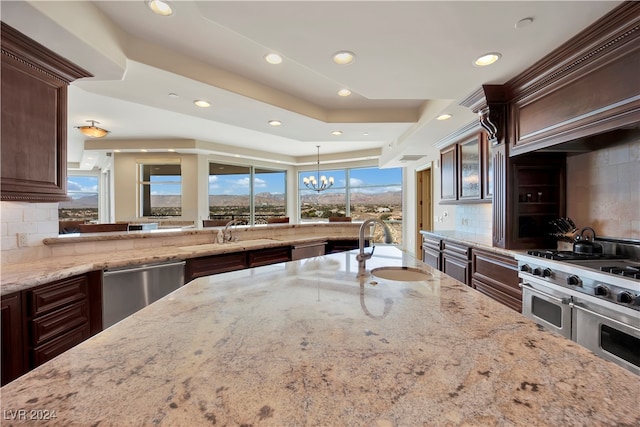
(53, 324)
(46, 298)
(269, 256)
(431, 242)
(59, 345)
(495, 293)
(458, 269)
(206, 266)
(456, 249)
(431, 258)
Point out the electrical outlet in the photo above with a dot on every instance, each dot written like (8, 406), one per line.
(23, 240)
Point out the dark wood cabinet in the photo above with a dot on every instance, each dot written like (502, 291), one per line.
(431, 246)
(449, 173)
(34, 120)
(537, 197)
(466, 171)
(470, 169)
(268, 256)
(40, 323)
(456, 261)
(496, 275)
(216, 264)
(59, 315)
(342, 245)
(11, 339)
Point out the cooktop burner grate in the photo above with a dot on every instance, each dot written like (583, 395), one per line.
(627, 271)
(570, 256)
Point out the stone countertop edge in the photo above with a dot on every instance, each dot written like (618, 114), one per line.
(19, 277)
(309, 343)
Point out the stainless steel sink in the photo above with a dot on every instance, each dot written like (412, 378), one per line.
(401, 274)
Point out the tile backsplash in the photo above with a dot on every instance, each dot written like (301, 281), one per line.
(603, 190)
(474, 219)
(24, 226)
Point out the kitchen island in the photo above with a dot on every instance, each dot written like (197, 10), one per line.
(309, 343)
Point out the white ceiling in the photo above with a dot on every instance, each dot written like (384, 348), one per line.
(414, 61)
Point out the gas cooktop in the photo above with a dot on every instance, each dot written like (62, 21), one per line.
(570, 256)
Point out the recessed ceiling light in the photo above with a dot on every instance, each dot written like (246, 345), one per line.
(201, 103)
(273, 58)
(160, 7)
(336, 132)
(173, 95)
(487, 59)
(275, 122)
(344, 57)
(446, 116)
(344, 92)
(524, 23)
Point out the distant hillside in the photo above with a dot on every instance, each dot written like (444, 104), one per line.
(82, 202)
(386, 198)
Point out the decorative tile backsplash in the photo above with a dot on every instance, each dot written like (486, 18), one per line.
(603, 190)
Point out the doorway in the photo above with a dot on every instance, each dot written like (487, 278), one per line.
(424, 206)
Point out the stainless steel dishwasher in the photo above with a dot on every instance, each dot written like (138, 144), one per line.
(127, 290)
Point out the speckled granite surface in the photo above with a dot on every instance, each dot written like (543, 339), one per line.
(306, 343)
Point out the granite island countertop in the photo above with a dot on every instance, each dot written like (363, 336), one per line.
(308, 343)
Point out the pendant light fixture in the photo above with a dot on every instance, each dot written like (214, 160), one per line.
(93, 131)
(320, 183)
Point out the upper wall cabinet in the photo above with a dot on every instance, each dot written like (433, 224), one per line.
(34, 120)
(465, 171)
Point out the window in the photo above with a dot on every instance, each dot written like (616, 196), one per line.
(83, 190)
(269, 194)
(360, 193)
(160, 189)
(248, 193)
(332, 202)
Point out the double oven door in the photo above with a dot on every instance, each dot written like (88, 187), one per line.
(547, 306)
(612, 332)
(609, 330)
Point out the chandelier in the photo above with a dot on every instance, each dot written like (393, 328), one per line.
(93, 131)
(321, 183)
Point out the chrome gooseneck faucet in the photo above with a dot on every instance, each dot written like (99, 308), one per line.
(362, 257)
(228, 238)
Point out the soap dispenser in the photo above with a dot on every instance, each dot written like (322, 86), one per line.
(220, 236)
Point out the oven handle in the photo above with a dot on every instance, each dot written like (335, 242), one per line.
(566, 300)
(602, 316)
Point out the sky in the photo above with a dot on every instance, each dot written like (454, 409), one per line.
(390, 179)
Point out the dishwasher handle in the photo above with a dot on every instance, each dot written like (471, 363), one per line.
(142, 268)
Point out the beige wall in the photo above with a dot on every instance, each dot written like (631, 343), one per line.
(125, 183)
(603, 190)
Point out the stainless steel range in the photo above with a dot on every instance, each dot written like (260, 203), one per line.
(592, 299)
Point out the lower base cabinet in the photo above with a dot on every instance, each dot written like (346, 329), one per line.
(496, 275)
(216, 264)
(40, 323)
(456, 261)
(11, 337)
